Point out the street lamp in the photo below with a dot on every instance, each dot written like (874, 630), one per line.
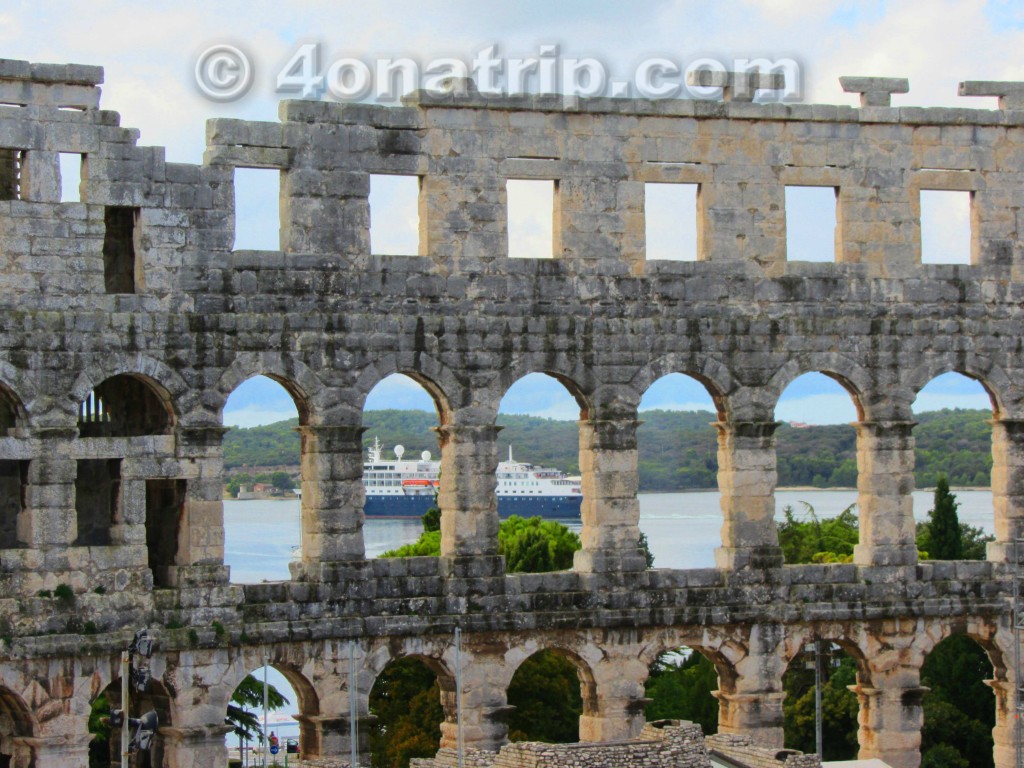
(145, 726)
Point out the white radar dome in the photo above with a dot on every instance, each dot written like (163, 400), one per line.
(425, 455)
(399, 451)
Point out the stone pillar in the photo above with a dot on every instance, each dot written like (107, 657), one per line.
(332, 495)
(746, 480)
(1004, 734)
(891, 718)
(613, 704)
(194, 747)
(329, 736)
(1007, 486)
(610, 509)
(56, 752)
(469, 505)
(50, 519)
(757, 715)
(885, 480)
(750, 697)
(200, 555)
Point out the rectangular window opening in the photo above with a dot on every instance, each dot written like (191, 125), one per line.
(11, 161)
(394, 215)
(811, 223)
(71, 177)
(13, 483)
(945, 227)
(165, 512)
(97, 500)
(670, 219)
(531, 218)
(120, 251)
(257, 209)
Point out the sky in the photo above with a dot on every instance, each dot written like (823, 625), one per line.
(158, 58)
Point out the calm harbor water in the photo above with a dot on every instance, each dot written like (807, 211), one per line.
(682, 528)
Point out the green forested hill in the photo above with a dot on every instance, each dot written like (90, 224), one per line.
(678, 450)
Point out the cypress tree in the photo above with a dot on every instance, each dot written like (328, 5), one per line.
(944, 525)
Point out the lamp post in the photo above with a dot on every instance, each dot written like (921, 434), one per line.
(142, 645)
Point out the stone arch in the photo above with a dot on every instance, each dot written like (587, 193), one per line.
(584, 672)
(165, 383)
(720, 651)
(709, 371)
(441, 383)
(159, 698)
(578, 380)
(126, 405)
(289, 661)
(17, 727)
(847, 373)
(12, 412)
(298, 380)
(1006, 396)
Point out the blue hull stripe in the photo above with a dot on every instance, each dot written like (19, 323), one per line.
(552, 507)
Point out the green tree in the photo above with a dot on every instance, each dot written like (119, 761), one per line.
(545, 692)
(282, 481)
(99, 727)
(245, 702)
(818, 541)
(681, 689)
(838, 707)
(944, 541)
(406, 700)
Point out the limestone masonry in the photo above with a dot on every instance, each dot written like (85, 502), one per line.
(127, 319)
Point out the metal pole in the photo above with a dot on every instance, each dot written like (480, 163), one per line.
(817, 696)
(353, 724)
(1018, 704)
(458, 690)
(126, 663)
(266, 742)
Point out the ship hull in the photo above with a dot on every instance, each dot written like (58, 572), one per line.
(550, 507)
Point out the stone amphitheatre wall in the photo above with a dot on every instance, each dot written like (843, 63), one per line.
(128, 318)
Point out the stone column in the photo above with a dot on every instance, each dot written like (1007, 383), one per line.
(1007, 487)
(469, 505)
(200, 557)
(746, 480)
(332, 495)
(885, 480)
(750, 698)
(329, 736)
(613, 704)
(50, 519)
(610, 509)
(891, 718)
(1004, 734)
(194, 747)
(56, 752)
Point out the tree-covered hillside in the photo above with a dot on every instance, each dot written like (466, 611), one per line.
(678, 449)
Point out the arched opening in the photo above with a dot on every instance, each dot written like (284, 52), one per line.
(959, 708)
(13, 477)
(8, 413)
(402, 468)
(262, 459)
(680, 686)
(953, 442)
(678, 465)
(827, 663)
(539, 473)
(410, 699)
(126, 405)
(16, 731)
(105, 746)
(292, 704)
(550, 690)
(816, 462)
